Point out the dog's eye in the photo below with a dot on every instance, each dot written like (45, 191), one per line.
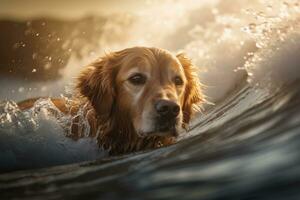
(138, 79)
(178, 81)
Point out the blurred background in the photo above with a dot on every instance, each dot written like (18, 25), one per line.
(45, 43)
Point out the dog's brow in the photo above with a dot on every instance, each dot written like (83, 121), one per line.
(138, 69)
(177, 70)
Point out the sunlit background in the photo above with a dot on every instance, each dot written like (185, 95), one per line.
(47, 40)
(28, 9)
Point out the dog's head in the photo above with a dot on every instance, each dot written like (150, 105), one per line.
(154, 91)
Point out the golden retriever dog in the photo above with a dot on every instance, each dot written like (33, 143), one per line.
(135, 99)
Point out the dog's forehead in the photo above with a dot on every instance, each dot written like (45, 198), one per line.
(150, 63)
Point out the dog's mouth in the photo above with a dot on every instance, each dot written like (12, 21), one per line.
(167, 126)
(163, 128)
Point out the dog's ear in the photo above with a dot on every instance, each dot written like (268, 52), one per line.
(97, 83)
(193, 96)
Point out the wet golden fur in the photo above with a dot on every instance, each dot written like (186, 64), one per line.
(116, 109)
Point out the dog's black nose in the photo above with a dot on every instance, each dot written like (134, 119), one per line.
(166, 108)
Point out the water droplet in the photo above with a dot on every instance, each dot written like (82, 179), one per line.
(259, 45)
(47, 66)
(21, 89)
(43, 89)
(269, 8)
(252, 26)
(285, 4)
(34, 56)
(215, 11)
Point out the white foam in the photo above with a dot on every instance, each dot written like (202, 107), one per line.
(219, 38)
(277, 64)
(35, 138)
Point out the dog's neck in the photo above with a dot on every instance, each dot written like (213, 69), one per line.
(119, 136)
(115, 133)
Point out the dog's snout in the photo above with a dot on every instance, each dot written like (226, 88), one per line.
(166, 108)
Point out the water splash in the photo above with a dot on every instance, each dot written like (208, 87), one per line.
(37, 137)
(277, 38)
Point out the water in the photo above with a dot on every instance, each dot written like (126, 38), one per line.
(245, 146)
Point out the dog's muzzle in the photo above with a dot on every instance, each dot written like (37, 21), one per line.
(167, 113)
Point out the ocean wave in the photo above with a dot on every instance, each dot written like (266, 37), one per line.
(37, 138)
(247, 41)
